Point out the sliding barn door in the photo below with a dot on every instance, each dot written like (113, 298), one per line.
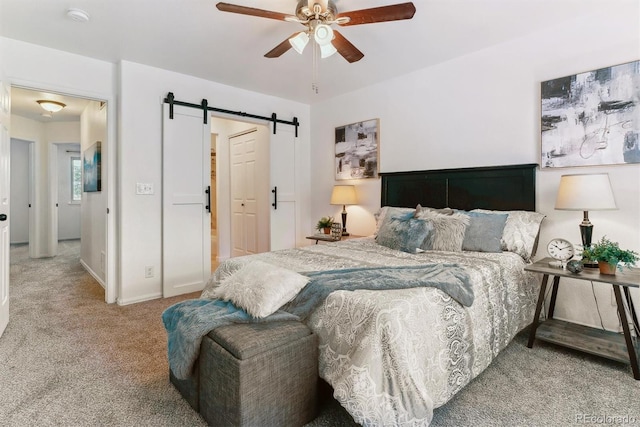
(283, 189)
(186, 221)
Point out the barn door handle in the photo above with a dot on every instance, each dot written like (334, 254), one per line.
(3, 217)
(275, 198)
(208, 191)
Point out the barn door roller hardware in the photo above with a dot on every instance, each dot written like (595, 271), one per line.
(204, 106)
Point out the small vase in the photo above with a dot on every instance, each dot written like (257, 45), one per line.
(327, 230)
(607, 268)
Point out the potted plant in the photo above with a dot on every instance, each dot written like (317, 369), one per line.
(324, 224)
(609, 256)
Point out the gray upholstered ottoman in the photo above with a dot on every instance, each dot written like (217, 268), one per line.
(259, 374)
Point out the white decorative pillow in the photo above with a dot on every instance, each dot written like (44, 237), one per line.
(448, 231)
(443, 211)
(260, 288)
(520, 232)
(387, 212)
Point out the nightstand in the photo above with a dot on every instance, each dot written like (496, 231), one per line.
(623, 348)
(328, 238)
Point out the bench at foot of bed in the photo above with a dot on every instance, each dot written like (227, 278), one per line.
(252, 374)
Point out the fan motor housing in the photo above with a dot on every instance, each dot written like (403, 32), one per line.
(303, 12)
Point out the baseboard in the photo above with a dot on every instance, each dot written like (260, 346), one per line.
(142, 298)
(93, 274)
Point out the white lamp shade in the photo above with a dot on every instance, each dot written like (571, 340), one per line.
(586, 192)
(327, 50)
(323, 34)
(299, 42)
(344, 195)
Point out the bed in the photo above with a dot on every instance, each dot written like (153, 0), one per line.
(393, 356)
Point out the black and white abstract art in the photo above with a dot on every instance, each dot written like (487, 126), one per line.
(592, 118)
(356, 150)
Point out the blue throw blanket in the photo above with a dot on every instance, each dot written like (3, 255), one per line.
(187, 322)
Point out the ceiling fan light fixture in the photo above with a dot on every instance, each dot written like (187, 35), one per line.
(299, 41)
(51, 106)
(323, 34)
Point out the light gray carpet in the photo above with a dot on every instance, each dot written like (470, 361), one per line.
(67, 358)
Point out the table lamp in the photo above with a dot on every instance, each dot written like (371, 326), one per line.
(585, 192)
(344, 195)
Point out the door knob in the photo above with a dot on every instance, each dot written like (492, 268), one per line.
(3, 217)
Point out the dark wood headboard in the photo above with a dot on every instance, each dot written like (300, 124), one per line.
(498, 188)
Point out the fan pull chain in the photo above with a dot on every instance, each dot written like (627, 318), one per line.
(314, 71)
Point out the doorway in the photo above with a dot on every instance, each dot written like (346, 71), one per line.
(231, 192)
(22, 190)
(63, 210)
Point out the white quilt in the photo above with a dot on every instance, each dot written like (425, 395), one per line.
(393, 356)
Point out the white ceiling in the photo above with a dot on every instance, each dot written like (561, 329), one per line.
(193, 37)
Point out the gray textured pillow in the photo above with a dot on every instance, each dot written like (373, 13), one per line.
(388, 212)
(484, 232)
(448, 231)
(520, 231)
(405, 234)
(260, 288)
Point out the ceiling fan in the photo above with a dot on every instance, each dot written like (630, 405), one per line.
(318, 16)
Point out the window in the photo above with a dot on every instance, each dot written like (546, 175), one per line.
(76, 179)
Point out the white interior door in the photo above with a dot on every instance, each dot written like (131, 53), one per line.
(249, 201)
(283, 181)
(186, 223)
(5, 209)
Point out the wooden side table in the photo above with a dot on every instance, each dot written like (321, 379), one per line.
(623, 348)
(328, 238)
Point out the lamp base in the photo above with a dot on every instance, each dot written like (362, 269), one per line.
(344, 233)
(590, 264)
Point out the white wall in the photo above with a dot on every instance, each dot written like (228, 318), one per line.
(94, 204)
(141, 92)
(482, 110)
(68, 211)
(19, 191)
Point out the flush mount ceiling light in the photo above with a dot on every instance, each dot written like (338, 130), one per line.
(77, 14)
(51, 106)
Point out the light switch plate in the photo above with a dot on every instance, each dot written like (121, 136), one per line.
(144, 188)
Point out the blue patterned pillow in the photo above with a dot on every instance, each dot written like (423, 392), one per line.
(403, 233)
(484, 232)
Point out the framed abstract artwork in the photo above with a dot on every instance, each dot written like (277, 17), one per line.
(91, 162)
(356, 150)
(592, 118)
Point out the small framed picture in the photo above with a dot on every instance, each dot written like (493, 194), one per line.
(336, 231)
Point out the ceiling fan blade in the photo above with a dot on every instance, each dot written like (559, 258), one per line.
(394, 12)
(281, 48)
(345, 48)
(243, 10)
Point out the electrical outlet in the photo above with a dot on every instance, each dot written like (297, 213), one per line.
(148, 271)
(143, 188)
